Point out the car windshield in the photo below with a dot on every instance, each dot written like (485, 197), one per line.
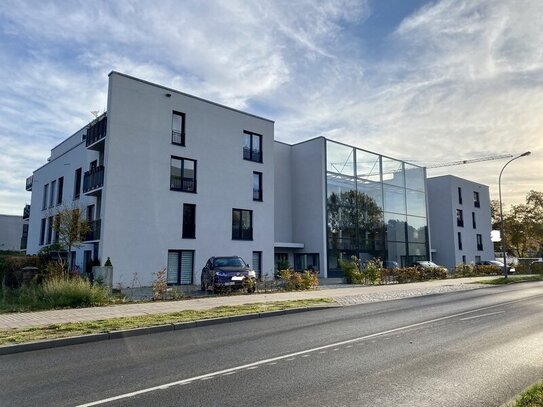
(228, 262)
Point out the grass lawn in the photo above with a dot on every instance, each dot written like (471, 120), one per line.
(56, 331)
(512, 279)
(533, 397)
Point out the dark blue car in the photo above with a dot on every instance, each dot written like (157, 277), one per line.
(227, 272)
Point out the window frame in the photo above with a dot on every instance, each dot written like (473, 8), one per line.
(258, 194)
(459, 195)
(182, 169)
(60, 191)
(479, 239)
(459, 238)
(473, 220)
(179, 269)
(476, 199)
(45, 194)
(176, 133)
(78, 183)
(249, 155)
(52, 193)
(258, 269)
(42, 231)
(460, 218)
(239, 229)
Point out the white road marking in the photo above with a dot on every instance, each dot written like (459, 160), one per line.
(290, 356)
(482, 315)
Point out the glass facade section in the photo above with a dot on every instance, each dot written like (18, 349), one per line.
(376, 207)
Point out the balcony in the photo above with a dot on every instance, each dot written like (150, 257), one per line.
(96, 133)
(26, 212)
(94, 230)
(93, 181)
(29, 181)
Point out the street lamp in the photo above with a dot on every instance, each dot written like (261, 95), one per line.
(501, 210)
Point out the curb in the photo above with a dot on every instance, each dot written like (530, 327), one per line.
(98, 337)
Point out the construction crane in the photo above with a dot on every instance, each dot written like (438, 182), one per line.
(474, 160)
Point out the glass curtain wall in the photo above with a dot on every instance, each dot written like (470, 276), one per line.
(376, 207)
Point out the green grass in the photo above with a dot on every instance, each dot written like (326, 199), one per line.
(533, 397)
(56, 331)
(511, 279)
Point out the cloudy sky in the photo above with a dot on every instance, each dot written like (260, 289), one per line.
(424, 81)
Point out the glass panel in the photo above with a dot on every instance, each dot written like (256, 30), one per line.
(372, 190)
(177, 122)
(414, 177)
(337, 185)
(396, 252)
(246, 225)
(416, 203)
(175, 173)
(256, 264)
(186, 267)
(368, 166)
(394, 199)
(173, 265)
(417, 249)
(395, 227)
(188, 175)
(340, 158)
(236, 224)
(257, 195)
(416, 229)
(393, 172)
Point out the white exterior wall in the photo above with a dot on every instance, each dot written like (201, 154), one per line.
(142, 218)
(442, 205)
(283, 192)
(11, 231)
(65, 159)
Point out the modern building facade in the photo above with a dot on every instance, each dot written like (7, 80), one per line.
(334, 201)
(167, 180)
(11, 232)
(459, 221)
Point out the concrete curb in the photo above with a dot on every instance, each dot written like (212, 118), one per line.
(76, 340)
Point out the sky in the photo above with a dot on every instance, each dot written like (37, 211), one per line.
(428, 82)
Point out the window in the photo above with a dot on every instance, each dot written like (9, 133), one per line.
(56, 229)
(180, 267)
(477, 259)
(182, 174)
(459, 196)
(306, 261)
(60, 190)
(49, 229)
(464, 259)
(257, 264)
(52, 194)
(459, 241)
(189, 221)
(42, 231)
(252, 148)
(257, 186)
(44, 201)
(476, 201)
(77, 183)
(473, 222)
(460, 218)
(178, 128)
(479, 242)
(242, 224)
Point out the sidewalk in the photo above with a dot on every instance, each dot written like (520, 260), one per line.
(341, 294)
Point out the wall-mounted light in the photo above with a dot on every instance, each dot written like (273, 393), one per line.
(168, 95)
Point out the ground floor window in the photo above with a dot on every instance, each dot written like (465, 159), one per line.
(281, 261)
(257, 264)
(180, 266)
(306, 261)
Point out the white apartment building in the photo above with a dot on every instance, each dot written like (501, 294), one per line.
(460, 222)
(166, 180)
(11, 232)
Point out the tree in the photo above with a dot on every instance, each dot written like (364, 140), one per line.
(70, 227)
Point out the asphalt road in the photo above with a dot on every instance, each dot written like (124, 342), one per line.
(474, 348)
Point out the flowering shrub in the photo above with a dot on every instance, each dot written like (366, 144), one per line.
(295, 281)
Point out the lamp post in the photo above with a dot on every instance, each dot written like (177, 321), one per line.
(501, 210)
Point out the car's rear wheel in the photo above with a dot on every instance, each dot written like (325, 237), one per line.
(203, 286)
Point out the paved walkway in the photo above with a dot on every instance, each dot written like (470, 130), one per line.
(342, 294)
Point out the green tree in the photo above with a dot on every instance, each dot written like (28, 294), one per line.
(71, 227)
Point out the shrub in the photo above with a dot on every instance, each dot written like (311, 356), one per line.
(372, 271)
(11, 266)
(294, 281)
(537, 268)
(352, 273)
(160, 285)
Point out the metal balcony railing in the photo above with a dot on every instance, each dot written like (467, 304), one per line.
(93, 179)
(26, 212)
(96, 131)
(29, 181)
(95, 227)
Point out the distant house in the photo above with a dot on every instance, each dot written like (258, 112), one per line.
(11, 232)
(460, 224)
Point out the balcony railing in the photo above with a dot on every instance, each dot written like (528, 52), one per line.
(29, 181)
(96, 131)
(252, 155)
(94, 230)
(93, 179)
(26, 212)
(178, 137)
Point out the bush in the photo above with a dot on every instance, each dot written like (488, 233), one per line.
(294, 281)
(352, 274)
(11, 266)
(536, 268)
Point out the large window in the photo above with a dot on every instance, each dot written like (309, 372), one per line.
(49, 229)
(476, 201)
(459, 218)
(257, 186)
(42, 231)
(60, 190)
(52, 194)
(252, 147)
(178, 128)
(44, 200)
(182, 174)
(242, 224)
(77, 183)
(479, 242)
(189, 221)
(180, 266)
(306, 261)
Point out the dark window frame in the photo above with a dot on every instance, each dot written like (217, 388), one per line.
(237, 230)
(473, 220)
(258, 194)
(182, 168)
(52, 193)
(179, 262)
(188, 227)
(476, 201)
(460, 241)
(42, 231)
(60, 191)
(49, 229)
(479, 238)
(459, 195)
(250, 154)
(77, 183)
(45, 193)
(460, 218)
(259, 268)
(176, 135)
